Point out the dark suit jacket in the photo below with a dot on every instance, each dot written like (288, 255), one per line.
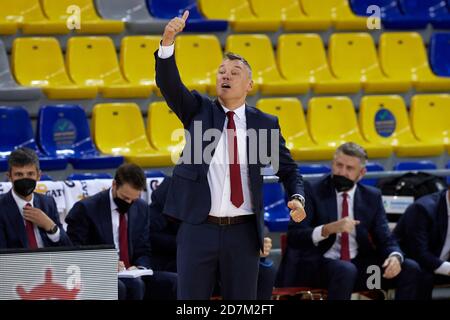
(189, 196)
(89, 223)
(12, 227)
(422, 230)
(372, 234)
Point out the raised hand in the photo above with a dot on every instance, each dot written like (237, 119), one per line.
(175, 26)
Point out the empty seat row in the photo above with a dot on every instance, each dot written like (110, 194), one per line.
(383, 126)
(62, 137)
(300, 64)
(407, 14)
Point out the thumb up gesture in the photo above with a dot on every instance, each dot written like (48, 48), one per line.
(175, 26)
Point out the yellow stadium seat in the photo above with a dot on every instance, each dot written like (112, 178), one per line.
(338, 11)
(38, 62)
(28, 16)
(291, 14)
(257, 49)
(430, 118)
(384, 120)
(403, 56)
(332, 122)
(118, 129)
(294, 130)
(239, 14)
(353, 56)
(165, 130)
(197, 70)
(301, 58)
(92, 61)
(136, 59)
(90, 22)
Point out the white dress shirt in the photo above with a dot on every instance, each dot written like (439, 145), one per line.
(444, 268)
(21, 204)
(219, 169)
(335, 251)
(115, 218)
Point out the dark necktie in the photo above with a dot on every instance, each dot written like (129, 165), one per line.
(123, 240)
(237, 196)
(29, 227)
(345, 247)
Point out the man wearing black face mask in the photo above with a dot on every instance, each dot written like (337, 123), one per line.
(345, 232)
(27, 219)
(119, 217)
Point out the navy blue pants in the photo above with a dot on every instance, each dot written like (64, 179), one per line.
(209, 252)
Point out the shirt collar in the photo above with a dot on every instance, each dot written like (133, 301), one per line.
(20, 202)
(350, 193)
(111, 201)
(239, 112)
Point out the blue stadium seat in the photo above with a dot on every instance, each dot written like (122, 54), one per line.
(89, 176)
(415, 165)
(45, 177)
(435, 10)
(63, 131)
(439, 54)
(154, 173)
(167, 9)
(372, 167)
(314, 169)
(16, 131)
(276, 212)
(392, 16)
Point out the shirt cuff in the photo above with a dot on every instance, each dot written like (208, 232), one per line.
(55, 237)
(444, 269)
(317, 235)
(165, 52)
(396, 253)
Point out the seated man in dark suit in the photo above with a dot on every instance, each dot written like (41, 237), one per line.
(346, 231)
(163, 233)
(27, 219)
(119, 217)
(424, 235)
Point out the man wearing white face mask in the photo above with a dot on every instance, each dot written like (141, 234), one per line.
(346, 231)
(27, 219)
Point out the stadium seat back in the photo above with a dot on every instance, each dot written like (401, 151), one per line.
(193, 64)
(332, 120)
(130, 10)
(21, 11)
(430, 118)
(89, 176)
(58, 9)
(267, 9)
(64, 130)
(319, 8)
(258, 51)
(384, 119)
(228, 10)
(136, 58)
(118, 128)
(162, 123)
(15, 129)
(402, 53)
(167, 9)
(440, 54)
(93, 61)
(359, 7)
(419, 7)
(301, 56)
(38, 62)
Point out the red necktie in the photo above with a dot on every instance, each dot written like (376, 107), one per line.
(29, 227)
(123, 240)
(345, 247)
(237, 196)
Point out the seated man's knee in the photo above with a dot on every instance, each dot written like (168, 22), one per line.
(412, 268)
(122, 291)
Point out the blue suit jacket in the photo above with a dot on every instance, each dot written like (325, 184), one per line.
(12, 227)
(422, 230)
(372, 234)
(189, 197)
(89, 223)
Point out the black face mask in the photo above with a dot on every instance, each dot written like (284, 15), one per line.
(122, 205)
(342, 183)
(24, 187)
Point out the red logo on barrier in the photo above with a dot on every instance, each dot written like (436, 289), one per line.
(48, 290)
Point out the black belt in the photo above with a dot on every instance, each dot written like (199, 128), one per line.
(225, 221)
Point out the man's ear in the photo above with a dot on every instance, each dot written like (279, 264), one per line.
(8, 175)
(250, 86)
(362, 173)
(39, 173)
